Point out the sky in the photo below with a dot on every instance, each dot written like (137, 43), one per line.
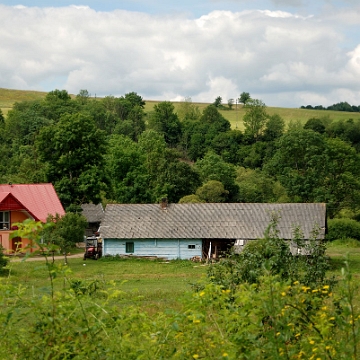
(286, 53)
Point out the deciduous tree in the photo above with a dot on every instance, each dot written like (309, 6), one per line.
(212, 191)
(165, 121)
(66, 231)
(299, 164)
(73, 150)
(213, 167)
(255, 118)
(244, 98)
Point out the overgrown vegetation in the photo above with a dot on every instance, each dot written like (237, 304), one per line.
(306, 263)
(84, 317)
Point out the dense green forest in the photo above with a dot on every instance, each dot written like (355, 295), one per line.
(112, 150)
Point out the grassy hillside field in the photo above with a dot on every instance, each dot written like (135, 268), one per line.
(9, 97)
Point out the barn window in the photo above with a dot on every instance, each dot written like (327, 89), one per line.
(129, 247)
(191, 246)
(4, 220)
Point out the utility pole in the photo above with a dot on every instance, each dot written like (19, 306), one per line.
(236, 101)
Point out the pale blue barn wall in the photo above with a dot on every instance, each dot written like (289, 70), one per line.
(164, 248)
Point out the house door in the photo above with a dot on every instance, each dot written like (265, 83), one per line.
(16, 244)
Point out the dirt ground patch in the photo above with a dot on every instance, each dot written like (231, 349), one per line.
(42, 258)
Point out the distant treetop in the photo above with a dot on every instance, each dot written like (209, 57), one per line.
(341, 106)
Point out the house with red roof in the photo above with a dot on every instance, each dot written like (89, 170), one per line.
(19, 202)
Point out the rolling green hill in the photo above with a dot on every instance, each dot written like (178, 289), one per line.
(8, 97)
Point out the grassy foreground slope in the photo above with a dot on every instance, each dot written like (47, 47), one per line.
(8, 97)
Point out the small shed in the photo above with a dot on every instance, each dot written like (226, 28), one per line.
(94, 215)
(185, 231)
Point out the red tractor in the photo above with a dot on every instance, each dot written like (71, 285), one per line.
(93, 248)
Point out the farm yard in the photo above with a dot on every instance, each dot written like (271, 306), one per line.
(132, 308)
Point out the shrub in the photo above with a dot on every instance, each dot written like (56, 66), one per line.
(342, 229)
(3, 260)
(272, 255)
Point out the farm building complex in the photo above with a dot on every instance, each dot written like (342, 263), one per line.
(184, 231)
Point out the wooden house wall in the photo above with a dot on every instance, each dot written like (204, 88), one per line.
(163, 248)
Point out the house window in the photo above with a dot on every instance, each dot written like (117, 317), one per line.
(4, 220)
(129, 247)
(191, 246)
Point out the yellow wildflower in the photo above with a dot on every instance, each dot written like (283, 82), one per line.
(195, 356)
(225, 354)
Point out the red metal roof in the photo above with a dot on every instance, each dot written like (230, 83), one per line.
(39, 200)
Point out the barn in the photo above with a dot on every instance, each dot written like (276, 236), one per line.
(204, 230)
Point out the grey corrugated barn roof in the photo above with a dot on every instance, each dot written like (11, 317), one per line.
(93, 213)
(209, 221)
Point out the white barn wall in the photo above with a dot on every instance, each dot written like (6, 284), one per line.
(163, 248)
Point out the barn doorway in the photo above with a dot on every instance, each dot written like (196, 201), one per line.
(214, 249)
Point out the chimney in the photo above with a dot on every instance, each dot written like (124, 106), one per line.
(163, 204)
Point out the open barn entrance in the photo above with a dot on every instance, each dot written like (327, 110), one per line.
(213, 249)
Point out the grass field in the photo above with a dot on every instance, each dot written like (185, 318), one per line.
(9, 97)
(152, 284)
(145, 309)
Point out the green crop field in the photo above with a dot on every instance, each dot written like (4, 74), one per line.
(8, 97)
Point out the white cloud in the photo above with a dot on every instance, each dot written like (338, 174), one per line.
(281, 57)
